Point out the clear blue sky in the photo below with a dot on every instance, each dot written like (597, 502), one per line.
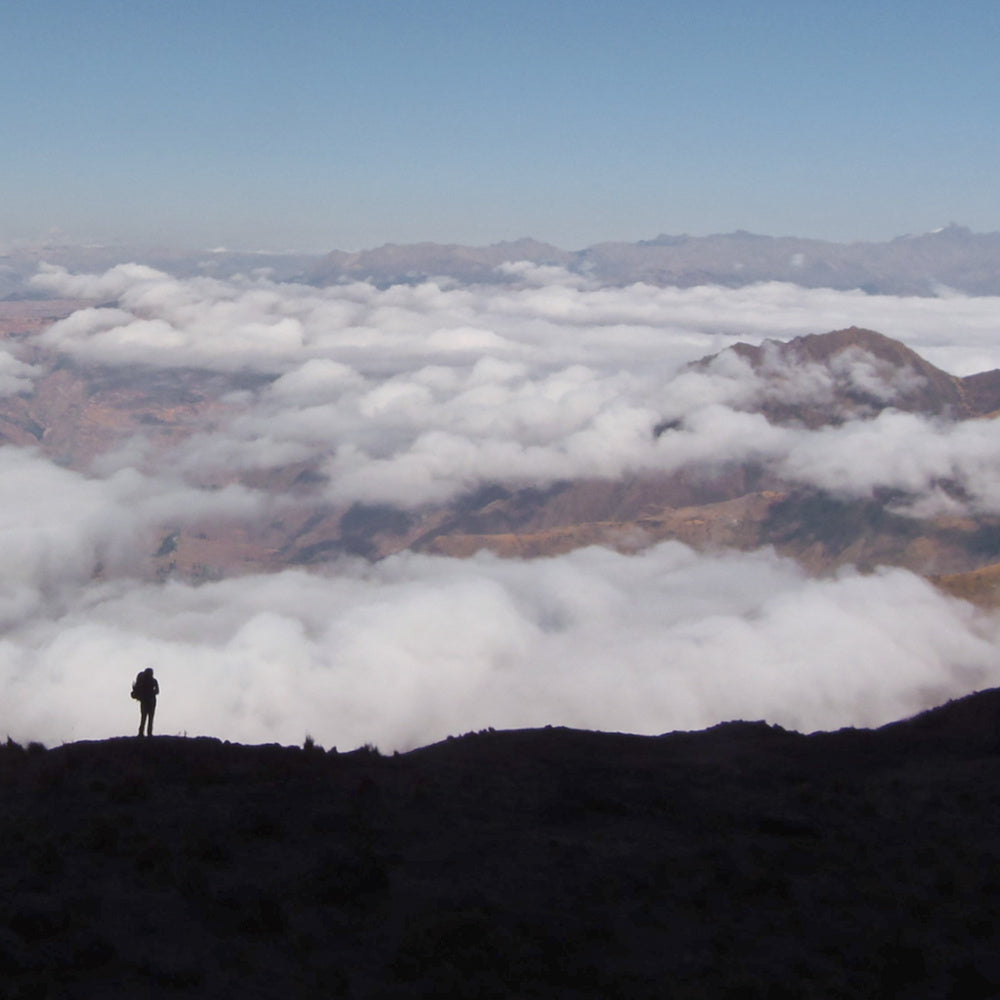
(299, 124)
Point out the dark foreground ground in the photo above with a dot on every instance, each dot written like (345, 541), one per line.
(744, 861)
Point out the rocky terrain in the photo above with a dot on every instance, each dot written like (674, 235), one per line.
(742, 861)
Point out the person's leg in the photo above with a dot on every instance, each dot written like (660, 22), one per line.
(142, 719)
(149, 719)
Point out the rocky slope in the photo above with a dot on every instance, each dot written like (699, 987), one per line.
(744, 860)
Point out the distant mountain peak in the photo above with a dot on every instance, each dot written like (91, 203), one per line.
(863, 373)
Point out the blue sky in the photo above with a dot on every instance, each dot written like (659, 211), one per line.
(313, 125)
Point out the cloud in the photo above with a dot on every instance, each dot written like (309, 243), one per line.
(252, 322)
(58, 528)
(415, 648)
(901, 451)
(412, 394)
(16, 376)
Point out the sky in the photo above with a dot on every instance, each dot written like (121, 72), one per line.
(320, 124)
(416, 394)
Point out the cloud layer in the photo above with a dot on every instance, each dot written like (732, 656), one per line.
(412, 394)
(416, 648)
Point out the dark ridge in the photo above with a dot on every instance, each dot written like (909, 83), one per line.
(358, 533)
(742, 861)
(363, 520)
(806, 517)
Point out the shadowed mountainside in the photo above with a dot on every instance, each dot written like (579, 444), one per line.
(744, 860)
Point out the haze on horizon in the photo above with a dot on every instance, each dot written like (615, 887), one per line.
(313, 125)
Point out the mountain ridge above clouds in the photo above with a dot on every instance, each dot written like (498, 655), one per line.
(954, 258)
(870, 372)
(848, 375)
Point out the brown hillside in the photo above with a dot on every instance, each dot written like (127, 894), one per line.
(979, 586)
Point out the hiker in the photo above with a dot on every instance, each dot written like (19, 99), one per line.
(144, 690)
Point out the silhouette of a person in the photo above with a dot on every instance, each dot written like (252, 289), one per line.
(144, 690)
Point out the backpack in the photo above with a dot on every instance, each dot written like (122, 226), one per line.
(144, 686)
(141, 686)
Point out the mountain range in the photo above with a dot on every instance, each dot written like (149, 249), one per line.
(953, 257)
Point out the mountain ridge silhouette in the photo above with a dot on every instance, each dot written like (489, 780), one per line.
(744, 859)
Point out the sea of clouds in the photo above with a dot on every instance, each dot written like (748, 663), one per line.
(415, 393)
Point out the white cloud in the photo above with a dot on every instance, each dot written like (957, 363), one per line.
(412, 649)
(16, 376)
(269, 326)
(411, 394)
(59, 528)
(900, 451)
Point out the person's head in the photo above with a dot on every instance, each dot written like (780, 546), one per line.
(148, 671)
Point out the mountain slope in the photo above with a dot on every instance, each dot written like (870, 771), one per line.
(744, 860)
